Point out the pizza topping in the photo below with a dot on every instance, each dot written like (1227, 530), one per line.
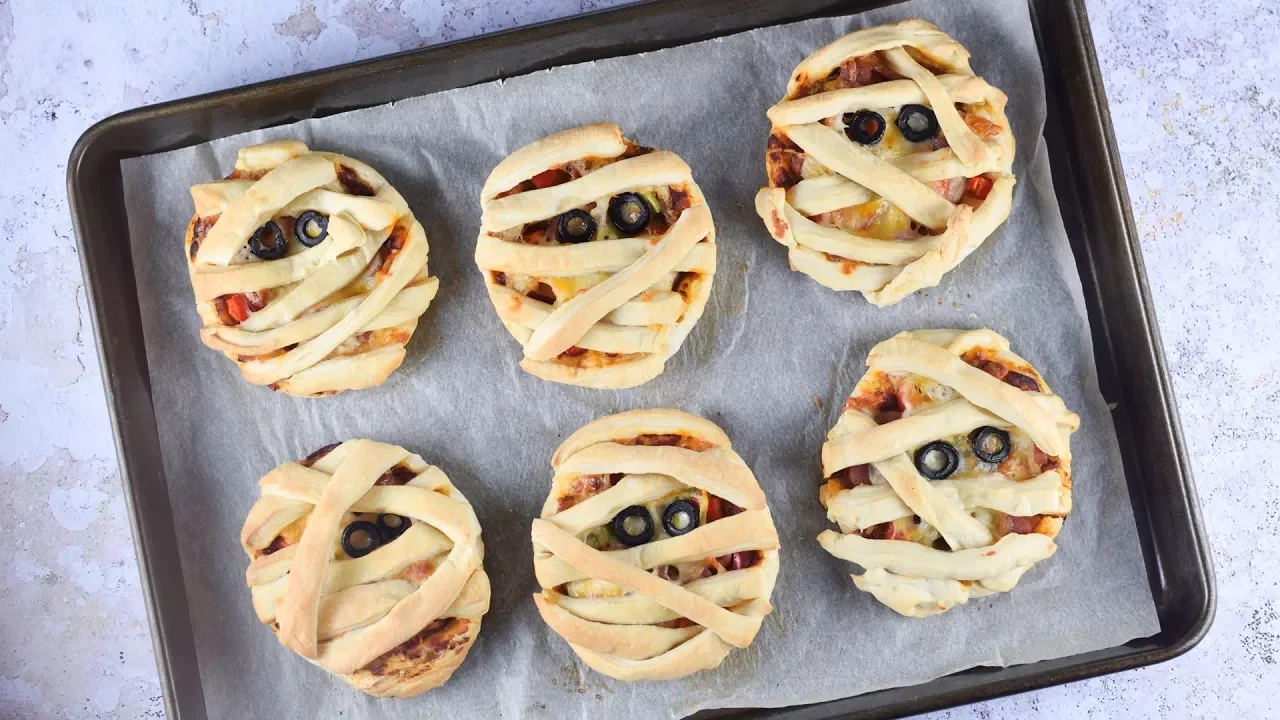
(864, 127)
(391, 526)
(981, 126)
(990, 444)
(876, 218)
(633, 526)
(1001, 372)
(1022, 382)
(680, 517)
(853, 72)
(718, 507)
(882, 531)
(937, 460)
(677, 202)
(389, 249)
(232, 309)
(352, 183)
(863, 70)
(688, 442)
(316, 456)
(198, 231)
(783, 160)
(235, 309)
(978, 186)
(575, 226)
(421, 650)
(882, 403)
(853, 476)
(311, 228)
(583, 487)
(548, 178)
(629, 213)
(398, 475)
(360, 538)
(670, 573)
(684, 284)
(268, 241)
(1013, 524)
(739, 560)
(917, 123)
(535, 233)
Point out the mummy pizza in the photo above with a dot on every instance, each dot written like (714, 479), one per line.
(949, 471)
(309, 270)
(889, 162)
(598, 255)
(655, 551)
(366, 561)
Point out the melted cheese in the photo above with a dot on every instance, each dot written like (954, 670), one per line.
(567, 288)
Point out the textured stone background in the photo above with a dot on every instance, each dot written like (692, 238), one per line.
(1194, 98)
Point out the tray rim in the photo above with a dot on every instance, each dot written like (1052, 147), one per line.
(106, 138)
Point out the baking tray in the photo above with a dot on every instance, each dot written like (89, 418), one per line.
(1091, 193)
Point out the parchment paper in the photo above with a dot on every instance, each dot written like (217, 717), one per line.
(771, 361)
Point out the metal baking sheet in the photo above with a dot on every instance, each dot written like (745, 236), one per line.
(1128, 356)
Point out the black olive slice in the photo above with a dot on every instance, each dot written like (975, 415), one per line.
(990, 444)
(937, 460)
(864, 127)
(633, 526)
(391, 526)
(917, 123)
(360, 538)
(311, 228)
(576, 226)
(680, 517)
(268, 241)
(629, 213)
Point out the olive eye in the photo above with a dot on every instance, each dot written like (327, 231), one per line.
(360, 538)
(937, 460)
(576, 226)
(864, 127)
(917, 123)
(990, 444)
(311, 228)
(391, 526)
(633, 526)
(267, 241)
(629, 213)
(680, 517)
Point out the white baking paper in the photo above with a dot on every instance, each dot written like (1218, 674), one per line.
(771, 362)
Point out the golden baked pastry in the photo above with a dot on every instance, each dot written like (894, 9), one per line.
(367, 562)
(598, 255)
(309, 269)
(655, 551)
(889, 162)
(949, 471)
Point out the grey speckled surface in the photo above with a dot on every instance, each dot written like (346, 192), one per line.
(1195, 103)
